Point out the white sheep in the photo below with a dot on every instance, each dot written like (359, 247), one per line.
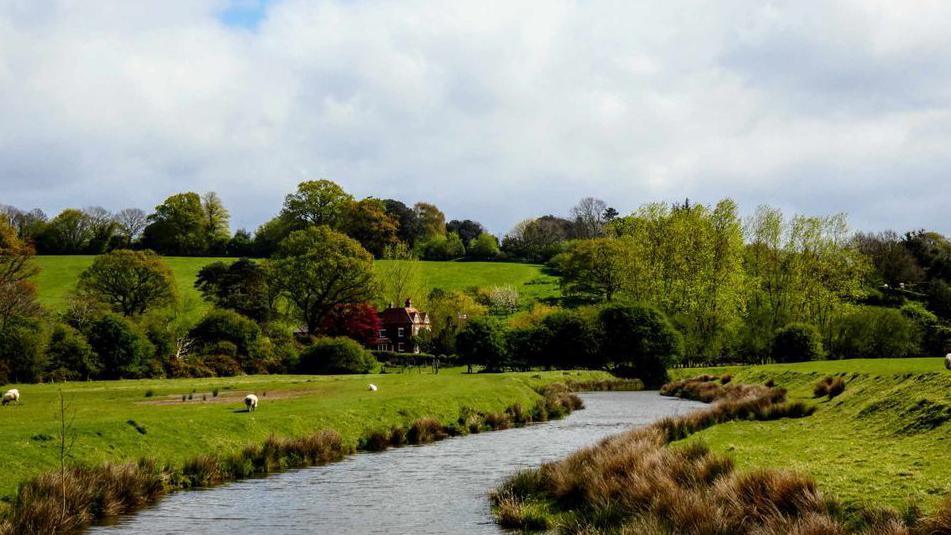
(11, 396)
(372, 387)
(947, 362)
(251, 402)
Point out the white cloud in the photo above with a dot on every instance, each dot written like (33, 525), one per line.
(493, 110)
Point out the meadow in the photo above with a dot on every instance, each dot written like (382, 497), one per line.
(114, 421)
(881, 442)
(59, 274)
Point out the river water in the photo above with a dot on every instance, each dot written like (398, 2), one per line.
(436, 488)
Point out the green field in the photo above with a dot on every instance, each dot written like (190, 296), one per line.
(59, 274)
(882, 442)
(177, 430)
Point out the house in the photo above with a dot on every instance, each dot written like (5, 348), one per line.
(399, 326)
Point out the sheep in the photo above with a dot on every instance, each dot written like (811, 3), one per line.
(372, 387)
(251, 402)
(947, 361)
(11, 396)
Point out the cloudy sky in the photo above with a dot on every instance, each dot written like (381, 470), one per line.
(494, 111)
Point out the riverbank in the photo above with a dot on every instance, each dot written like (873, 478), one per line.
(868, 456)
(883, 441)
(116, 422)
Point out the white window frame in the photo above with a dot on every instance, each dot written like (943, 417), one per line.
(399, 332)
(399, 346)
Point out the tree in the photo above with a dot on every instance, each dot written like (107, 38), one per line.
(482, 341)
(408, 229)
(227, 326)
(639, 341)
(131, 222)
(400, 275)
(588, 216)
(243, 286)
(448, 247)
(70, 355)
(178, 226)
(29, 226)
(359, 321)
(595, 268)
(316, 202)
(449, 312)
(484, 247)
(573, 341)
(17, 291)
(367, 222)
(336, 356)
(122, 348)
(537, 240)
(241, 244)
(797, 342)
(102, 228)
(23, 344)
(216, 218)
(317, 269)
(68, 232)
(894, 263)
(130, 282)
(467, 230)
(432, 222)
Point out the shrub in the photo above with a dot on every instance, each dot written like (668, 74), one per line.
(482, 341)
(22, 351)
(796, 342)
(122, 348)
(69, 350)
(220, 325)
(222, 366)
(873, 332)
(640, 342)
(336, 356)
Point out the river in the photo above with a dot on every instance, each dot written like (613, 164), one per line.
(437, 488)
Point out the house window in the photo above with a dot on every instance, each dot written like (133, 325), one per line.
(399, 332)
(382, 333)
(399, 346)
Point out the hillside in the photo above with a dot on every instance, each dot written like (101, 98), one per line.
(60, 273)
(881, 442)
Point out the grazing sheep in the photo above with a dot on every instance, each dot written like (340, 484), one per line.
(372, 387)
(11, 396)
(947, 361)
(251, 402)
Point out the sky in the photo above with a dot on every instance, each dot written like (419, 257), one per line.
(494, 111)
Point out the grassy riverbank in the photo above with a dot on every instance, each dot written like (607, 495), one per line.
(59, 275)
(126, 420)
(883, 441)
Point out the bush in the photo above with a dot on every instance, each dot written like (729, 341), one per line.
(222, 365)
(336, 356)
(796, 342)
(71, 355)
(23, 351)
(222, 325)
(482, 341)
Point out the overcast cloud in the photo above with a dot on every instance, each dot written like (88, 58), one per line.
(494, 111)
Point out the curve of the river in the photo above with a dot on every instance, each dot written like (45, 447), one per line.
(437, 488)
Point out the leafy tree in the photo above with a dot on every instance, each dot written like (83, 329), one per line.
(797, 342)
(528, 346)
(23, 345)
(269, 235)
(219, 326)
(432, 222)
(316, 202)
(241, 244)
(893, 262)
(122, 348)
(29, 226)
(537, 240)
(215, 225)
(595, 268)
(448, 247)
(482, 341)
(484, 247)
(874, 332)
(102, 227)
(932, 251)
(178, 226)
(17, 292)
(68, 232)
(467, 230)
(408, 228)
(367, 222)
(359, 321)
(639, 341)
(573, 341)
(70, 355)
(449, 312)
(131, 222)
(130, 282)
(336, 356)
(317, 269)
(243, 286)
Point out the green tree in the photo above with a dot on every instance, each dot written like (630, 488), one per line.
(216, 219)
(316, 202)
(130, 282)
(367, 222)
(400, 275)
(483, 247)
(70, 355)
(17, 267)
(178, 226)
(122, 348)
(639, 341)
(317, 268)
(482, 341)
(572, 341)
(338, 355)
(431, 221)
(595, 268)
(243, 286)
(68, 232)
(797, 342)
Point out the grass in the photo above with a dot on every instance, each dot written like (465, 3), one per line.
(115, 422)
(881, 440)
(59, 274)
